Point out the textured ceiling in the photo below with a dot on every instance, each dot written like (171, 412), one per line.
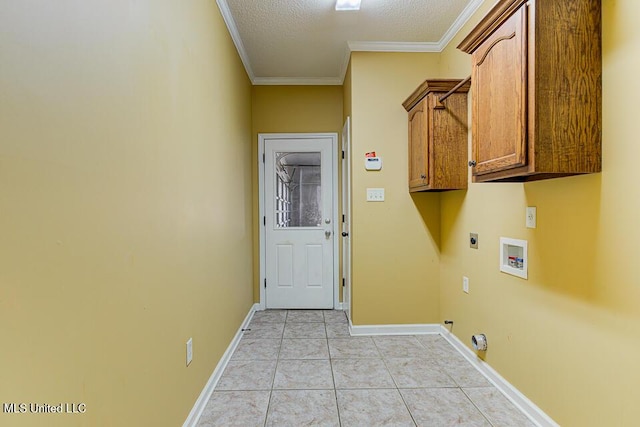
(308, 41)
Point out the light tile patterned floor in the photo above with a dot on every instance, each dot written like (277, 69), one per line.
(301, 368)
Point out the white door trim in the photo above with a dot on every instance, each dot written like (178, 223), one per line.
(346, 209)
(334, 210)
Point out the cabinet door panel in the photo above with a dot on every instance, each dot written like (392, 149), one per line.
(499, 97)
(419, 158)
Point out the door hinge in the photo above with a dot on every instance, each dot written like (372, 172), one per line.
(343, 154)
(264, 220)
(265, 282)
(343, 218)
(343, 282)
(263, 157)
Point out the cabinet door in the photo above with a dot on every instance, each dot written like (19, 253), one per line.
(500, 97)
(418, 146)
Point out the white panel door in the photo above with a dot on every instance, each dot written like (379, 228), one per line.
(299, 229)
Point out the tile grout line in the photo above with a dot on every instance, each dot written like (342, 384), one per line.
(384, 361)
(476, 406)
(458, 385)
(437, 359)
(266, 415)
(333, 378)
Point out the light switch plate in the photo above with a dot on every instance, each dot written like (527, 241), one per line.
(375, 194)
(465, 284)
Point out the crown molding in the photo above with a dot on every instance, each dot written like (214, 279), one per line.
(235, 36)
(394, 47)
(298, 81)
(352, 46)
(346, 59)
(457, 25)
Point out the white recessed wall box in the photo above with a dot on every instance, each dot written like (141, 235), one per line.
(513, 257)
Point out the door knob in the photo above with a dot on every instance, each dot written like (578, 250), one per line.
(327, 233)
(345, 234)
(327, 221)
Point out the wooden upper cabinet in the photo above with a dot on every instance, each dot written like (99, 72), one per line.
(437, 136)
(418, 146)
(536, 90)
(499, 74)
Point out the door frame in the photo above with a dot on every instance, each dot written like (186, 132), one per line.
(262, 137)
(346, 219)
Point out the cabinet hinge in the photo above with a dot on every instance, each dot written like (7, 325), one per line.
(264, 220)
(343, 154)
(342, 217)
(263, 157)
(343, 282)
(265, 282)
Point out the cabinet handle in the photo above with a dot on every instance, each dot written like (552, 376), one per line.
(472, 163)
(423, 176)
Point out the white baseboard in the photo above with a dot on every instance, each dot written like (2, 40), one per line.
(206, 393)
(418, 329)
(535, 414)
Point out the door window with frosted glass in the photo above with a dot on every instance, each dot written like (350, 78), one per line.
(298, 195)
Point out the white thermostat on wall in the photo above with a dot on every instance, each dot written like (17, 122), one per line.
(372, 162)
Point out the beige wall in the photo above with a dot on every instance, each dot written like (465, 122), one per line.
(123, 234)
(567, 336)
(296, 109)
(395, 243)
(125, 206)
(289, 109)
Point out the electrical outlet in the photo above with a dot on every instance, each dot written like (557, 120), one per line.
(189, 351)
(531, 217)
(375, 194)
(465, 284)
